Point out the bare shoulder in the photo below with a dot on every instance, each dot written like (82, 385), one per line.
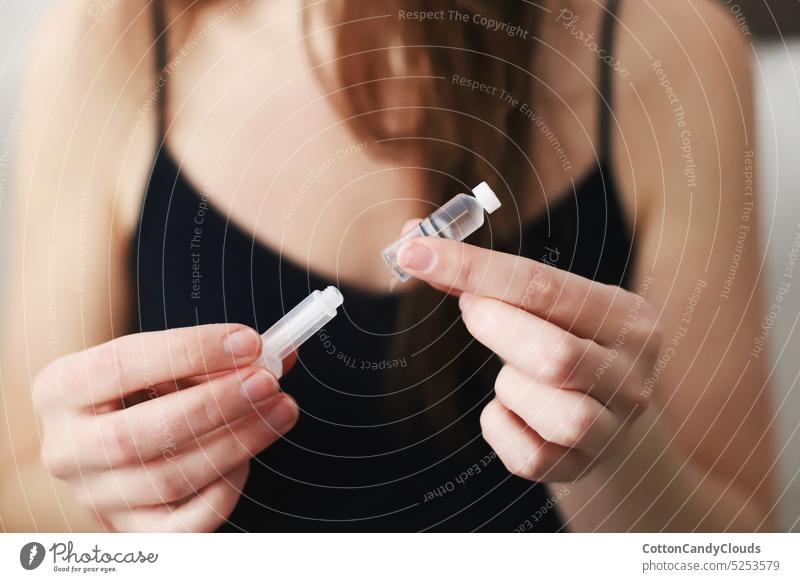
(690, 80)
(81, 44)
(88, 72)
(697, 43)
(693, 37)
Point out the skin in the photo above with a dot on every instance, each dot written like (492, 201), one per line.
(692, 454)
(214, 413)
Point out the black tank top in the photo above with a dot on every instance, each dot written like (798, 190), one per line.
(362, 457)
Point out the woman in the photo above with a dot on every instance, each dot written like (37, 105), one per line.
(192, 170)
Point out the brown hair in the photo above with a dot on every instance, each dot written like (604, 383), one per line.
(396, 80)
(396, 83)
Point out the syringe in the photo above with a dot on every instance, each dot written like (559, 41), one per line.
(294, 328)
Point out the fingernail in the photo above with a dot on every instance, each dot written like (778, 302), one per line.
(259, 386)
(282, 414)
(465, 300)
(244, 342)
(415, 256)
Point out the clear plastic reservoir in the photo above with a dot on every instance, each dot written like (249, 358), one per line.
(294, 328)
(456, 219)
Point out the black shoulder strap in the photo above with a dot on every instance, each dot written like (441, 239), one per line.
(605, 79)
(160, 87)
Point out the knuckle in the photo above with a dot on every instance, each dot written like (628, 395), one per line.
(549, 292)
(541, 290)
(295, 416)
(646, 328)
(477, 319)
(191, 354)
(648, 313)
(484, 421)
(210, 411)
(458, 267)
(115, 363)
(639, 331)
(560, 367)
(117, 442)
(471, 318)
(41, 392)
(528, 467)
(47, 387)
(102, 361)
(470, 274)
(54, 463)
(203, 343)
(168, 486)
(488, 420)
(639, 401)
(573, 430)
(502, 384)
(105, 361)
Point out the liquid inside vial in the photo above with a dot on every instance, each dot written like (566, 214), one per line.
(456, 220)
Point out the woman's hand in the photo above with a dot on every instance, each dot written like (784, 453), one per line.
(576, 353)
(154, 431)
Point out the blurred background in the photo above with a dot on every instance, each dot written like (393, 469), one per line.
(774, 27)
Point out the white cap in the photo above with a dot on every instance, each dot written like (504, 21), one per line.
(486, 197)
(329, 299)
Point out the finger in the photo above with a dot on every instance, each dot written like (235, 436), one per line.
(141, 433)
(546, 353)
(563, 417)
(288, 362)
(183, 472)
(410, 224)
(203, 512)
(524, 453)
(584, 307)
(131, 363)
